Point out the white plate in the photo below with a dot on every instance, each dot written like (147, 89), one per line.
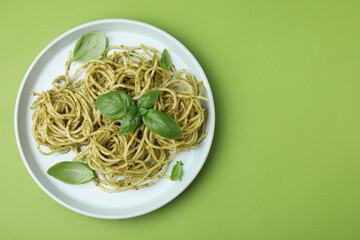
(87, 199)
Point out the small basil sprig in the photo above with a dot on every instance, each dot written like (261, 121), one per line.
(147, 100)
(116, 105)
(71, 172)
(176, 171)
(90, 45)
(165, 60)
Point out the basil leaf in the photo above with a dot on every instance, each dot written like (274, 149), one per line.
(162, 124)
(142, 111)
(176, 171)
(130, 121)
(165, 60)
(148, 99)
(71, 172)
(113, 104)
(90, 45)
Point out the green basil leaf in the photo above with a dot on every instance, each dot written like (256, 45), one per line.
(176, 171)
(142, 111)
(71, 172)
(148, 99)
(165, 60)
(113, 104)
(130, 121)
(90, 45)
(162, 124)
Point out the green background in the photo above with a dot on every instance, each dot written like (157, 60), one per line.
(285, 159)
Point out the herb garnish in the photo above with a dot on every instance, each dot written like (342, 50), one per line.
(165, 60)
(176, 171)
(116, 105)
(113, 105)
(91, 45)
(71, 172)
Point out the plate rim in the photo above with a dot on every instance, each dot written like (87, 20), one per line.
(56, 40)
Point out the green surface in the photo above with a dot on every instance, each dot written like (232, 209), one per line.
(285, 159)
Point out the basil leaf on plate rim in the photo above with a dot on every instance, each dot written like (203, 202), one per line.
(90, 45)
(176, 171)
(71, 172)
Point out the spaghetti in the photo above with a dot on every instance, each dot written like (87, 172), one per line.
(65, 117)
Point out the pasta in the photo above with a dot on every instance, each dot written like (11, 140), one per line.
(65, 118)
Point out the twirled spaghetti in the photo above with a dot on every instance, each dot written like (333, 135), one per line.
(65, 117)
